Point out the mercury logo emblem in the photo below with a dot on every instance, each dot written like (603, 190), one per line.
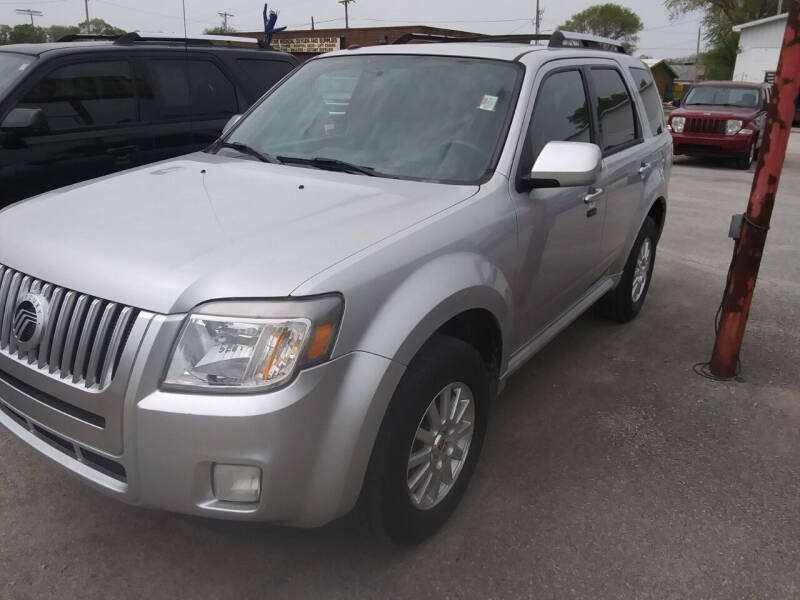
(30, 319)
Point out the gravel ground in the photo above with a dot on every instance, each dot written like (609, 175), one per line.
(610, 470)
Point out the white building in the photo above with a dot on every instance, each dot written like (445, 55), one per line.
(759, 48)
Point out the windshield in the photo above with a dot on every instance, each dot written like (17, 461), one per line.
(417, 117)
(12, 66)
(724, 96)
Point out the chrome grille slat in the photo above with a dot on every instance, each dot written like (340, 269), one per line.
(115, 345)
(61, 331)
(84, 336)
(8, 312)
(75, 323)
(56, 298)
(99, 345)
(89, 325)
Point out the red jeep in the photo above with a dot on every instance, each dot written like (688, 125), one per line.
(722, 118)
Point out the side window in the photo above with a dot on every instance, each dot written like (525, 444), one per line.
(651, 99)
(194, 88)
(263, 74)
(614, 109)
(91, 94)
(561, 113)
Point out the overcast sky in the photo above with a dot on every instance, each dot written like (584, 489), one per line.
(661, 37)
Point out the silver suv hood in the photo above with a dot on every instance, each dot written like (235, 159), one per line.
(169, 236)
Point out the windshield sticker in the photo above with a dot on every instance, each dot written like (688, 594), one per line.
(488, 103)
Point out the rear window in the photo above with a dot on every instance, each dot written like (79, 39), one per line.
(89, 94)
(651, 99)
(263, 74)
(614, 108)
(193, 88)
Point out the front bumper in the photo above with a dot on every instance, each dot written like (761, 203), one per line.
(703, 144)
(312, 439)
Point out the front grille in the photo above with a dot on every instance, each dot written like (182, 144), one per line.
(705, 125)
(108, 467)
(83, 338)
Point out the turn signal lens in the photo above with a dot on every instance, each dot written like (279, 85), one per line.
(322, 338)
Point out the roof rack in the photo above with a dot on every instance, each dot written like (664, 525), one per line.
(557, 39)
(88, 37)
(201, 40)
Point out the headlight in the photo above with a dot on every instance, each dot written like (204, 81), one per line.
(678, 124)
(252, 346)
(733, 126)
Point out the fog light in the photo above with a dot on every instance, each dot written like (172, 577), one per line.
(237, 483)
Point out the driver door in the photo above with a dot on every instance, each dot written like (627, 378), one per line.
(560, 229)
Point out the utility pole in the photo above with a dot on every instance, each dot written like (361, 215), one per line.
(31, 14)
(346, 16)
(225, 16)
(749, 247)
(312, 22)
(780, 7)
(86, 6)
(697, 56)
(538, 18)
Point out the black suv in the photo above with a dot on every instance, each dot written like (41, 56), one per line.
(89, 106)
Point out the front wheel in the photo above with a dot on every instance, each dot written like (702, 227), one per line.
(745, 161)
(624, 303)
(429, 442)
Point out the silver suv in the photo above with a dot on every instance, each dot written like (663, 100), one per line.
(321, 307)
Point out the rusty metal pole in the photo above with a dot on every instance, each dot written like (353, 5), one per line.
(750, 247)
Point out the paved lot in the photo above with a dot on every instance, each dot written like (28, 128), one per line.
(610, 470)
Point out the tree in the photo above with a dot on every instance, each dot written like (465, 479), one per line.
(23, 34)
(607, 20)
(718, 20)
(56, 32)
(100, 27)
(219, 30)
(5, 35)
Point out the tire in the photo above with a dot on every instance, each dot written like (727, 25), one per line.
(624, 302)
(745, 161)
(394, 515)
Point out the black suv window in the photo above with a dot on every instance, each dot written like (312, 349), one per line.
(614, 108)
(90, 94)
(651, 98)
(192, 88)
(561, 113)
(263, 74)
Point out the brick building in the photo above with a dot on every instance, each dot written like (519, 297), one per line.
(307, 43)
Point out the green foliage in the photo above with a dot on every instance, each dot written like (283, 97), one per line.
(56, 32)
(100, 27)
(219, 30)
(718, 20)
(23, 34)
(607, 20)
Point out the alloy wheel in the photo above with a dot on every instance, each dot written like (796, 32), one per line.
(440, 446)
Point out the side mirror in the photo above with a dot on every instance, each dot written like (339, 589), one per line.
(566, 164)
(25, 121)
(676, 102)
(231, 122)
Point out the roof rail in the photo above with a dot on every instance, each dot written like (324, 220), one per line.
(201, 40)
(557, 39)
(80, 37)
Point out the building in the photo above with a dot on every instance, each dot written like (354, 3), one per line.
(759, 49)
(305, 44)
(663, 74)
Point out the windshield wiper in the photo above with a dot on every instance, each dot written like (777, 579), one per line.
(330, 164)
(245, 149)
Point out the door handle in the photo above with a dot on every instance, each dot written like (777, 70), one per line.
(645, 168)
(593, 196)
